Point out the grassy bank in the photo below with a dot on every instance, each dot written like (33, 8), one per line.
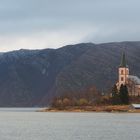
(109, 108)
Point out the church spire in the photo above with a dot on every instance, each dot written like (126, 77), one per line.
(123, 61)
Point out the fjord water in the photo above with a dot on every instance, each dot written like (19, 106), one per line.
(26, 124)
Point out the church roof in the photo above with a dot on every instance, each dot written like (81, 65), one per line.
(123, 61)
(134, 79)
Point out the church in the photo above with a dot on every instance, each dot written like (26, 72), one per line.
(124, 77)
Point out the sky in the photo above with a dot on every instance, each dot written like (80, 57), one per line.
(38, 24)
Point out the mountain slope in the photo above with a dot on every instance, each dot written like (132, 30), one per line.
(33, 77)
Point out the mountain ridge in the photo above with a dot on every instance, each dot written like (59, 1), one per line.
(34, 77)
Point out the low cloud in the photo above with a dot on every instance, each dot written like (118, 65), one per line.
(40, 40)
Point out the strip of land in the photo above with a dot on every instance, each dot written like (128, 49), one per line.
(109, 108)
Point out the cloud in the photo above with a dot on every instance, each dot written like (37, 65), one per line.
(51, 23)
(114, 33)
(39, 40)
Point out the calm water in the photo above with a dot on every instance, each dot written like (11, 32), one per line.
(24, 124)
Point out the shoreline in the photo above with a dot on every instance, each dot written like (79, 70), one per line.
(96, 109)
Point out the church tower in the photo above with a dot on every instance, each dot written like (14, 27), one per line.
(123, 71)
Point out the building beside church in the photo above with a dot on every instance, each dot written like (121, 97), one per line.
(124, 77)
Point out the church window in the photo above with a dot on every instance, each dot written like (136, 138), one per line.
(121, 71)
(122, 79)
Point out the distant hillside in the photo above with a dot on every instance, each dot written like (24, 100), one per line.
(33, 77)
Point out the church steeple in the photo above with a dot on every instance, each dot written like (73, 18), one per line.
(123, 61)
(123, 71)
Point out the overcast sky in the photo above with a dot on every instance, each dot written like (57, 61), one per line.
(36, 24)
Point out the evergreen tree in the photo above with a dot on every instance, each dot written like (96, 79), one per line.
(124, 97)
(121, 93)
(114, 91)
(115, 95)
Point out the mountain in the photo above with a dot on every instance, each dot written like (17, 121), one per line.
(34, 77)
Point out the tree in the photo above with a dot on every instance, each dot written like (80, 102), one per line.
(115, 95)
(66, 102)
(92, 95)
(83, 102)
(114, 91)
(124, 97)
